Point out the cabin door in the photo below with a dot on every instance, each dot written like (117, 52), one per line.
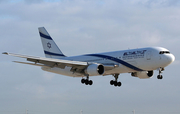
(148, 55)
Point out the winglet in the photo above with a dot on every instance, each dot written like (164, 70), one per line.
(5, 53)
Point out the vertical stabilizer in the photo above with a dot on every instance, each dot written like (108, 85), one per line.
(51, 50)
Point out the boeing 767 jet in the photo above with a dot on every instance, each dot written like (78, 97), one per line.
(139, 62)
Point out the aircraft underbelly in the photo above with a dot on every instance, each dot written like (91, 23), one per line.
(121, 69)
(67, 71)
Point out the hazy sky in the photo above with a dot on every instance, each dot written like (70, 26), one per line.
(81, 27)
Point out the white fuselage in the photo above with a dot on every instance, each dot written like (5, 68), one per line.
(132, 60)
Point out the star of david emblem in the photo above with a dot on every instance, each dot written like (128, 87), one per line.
(49, 45)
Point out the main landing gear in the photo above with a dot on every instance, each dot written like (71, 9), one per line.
(160, 72)
(86, 81)
(115, 82)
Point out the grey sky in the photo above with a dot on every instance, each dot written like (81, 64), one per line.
(80, 27)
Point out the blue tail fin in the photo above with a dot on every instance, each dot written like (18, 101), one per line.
(51, 50)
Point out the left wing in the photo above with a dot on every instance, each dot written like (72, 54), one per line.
(41, 61)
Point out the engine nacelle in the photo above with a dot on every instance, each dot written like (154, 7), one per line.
(143, 74)
(94, 70)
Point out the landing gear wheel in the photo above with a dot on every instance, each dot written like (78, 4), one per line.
(86, 81)
(159, 77)
(83, 81)
(119, 84)
(115, 83)
(112, 82)
(90, 82)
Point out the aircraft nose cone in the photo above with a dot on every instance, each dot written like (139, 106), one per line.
(171, 58)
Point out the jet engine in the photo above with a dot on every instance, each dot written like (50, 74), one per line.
(143, 74)
(94, 70)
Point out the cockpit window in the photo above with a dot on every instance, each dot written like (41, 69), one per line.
(164, 52)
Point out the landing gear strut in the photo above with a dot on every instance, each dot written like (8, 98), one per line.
(160, 72)
(86, 81)
(115, 82)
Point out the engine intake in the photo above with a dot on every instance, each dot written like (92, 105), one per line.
(143, 74)
(94, 70)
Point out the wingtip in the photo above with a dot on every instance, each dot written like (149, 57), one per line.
(6, 53)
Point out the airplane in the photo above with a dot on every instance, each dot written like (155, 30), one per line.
(140, 62)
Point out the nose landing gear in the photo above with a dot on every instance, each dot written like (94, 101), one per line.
(115, 82)
(160, 72)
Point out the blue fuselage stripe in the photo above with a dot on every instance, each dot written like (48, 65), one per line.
(116, 60)
(45, 36)
(54, 54)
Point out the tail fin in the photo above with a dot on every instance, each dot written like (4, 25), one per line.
(51, 50)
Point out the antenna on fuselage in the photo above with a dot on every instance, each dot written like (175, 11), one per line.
(81, 111)
(133, 111)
